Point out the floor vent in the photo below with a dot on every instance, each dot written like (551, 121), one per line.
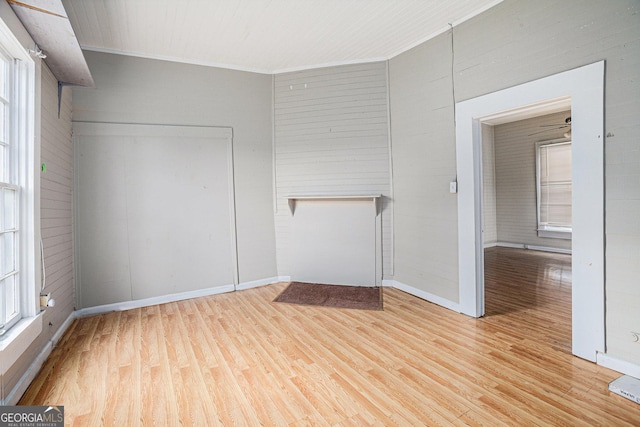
(626, 386)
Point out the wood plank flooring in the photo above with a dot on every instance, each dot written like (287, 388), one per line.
(240, 359)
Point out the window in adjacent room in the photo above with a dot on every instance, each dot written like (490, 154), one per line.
(554, 189)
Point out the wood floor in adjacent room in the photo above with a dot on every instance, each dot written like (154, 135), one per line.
(240, 359)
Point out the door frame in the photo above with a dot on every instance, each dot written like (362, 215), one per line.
(583, 89)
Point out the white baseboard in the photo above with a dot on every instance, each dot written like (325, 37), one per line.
(530, 247)
(146, 302)
(26, 379)
(163, 299)
(262, 282)
(423, 294)
(23, 383)
(618, 365)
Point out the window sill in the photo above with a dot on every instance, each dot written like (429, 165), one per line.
(555, 233)
(18, 339)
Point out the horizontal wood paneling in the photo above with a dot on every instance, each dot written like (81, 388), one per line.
(515, 178)
(56, 204)
(263, 35)
(331, 137)
(56, 217)
(423, 164)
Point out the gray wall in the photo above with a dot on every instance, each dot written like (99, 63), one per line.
(143, 91)
(515, 179)
(424, 162)
(515, 42)
(332, 138)
(159, 219)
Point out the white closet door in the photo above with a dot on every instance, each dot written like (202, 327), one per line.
(154, 211)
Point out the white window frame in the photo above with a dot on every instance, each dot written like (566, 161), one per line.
(21, 331)
(545, 230)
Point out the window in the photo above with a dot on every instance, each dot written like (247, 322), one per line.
(18, 295)
(9, 192)
(554, 189)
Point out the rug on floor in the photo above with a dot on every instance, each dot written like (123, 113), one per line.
(341, 296)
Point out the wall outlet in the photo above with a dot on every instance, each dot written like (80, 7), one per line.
(453, 187)
(44, 300)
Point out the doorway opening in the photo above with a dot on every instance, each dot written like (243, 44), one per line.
(526, 227)
(581, 90)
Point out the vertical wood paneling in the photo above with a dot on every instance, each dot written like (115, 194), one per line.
(515, 178)
(331, 138)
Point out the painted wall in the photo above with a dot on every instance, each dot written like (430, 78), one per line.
(54, 206)
(515, 42)
(332, 138)
(144, 91)
(159, 219)
(424, 162)
(515, 179)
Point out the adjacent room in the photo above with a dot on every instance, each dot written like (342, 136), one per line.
(170, 170)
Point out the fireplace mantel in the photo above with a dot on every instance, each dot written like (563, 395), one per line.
(364, 197)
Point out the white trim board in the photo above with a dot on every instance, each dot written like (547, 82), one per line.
(146, 302)
(618, 365)
(583, 88)
(423, 294)
(262, 282)
(30, 374)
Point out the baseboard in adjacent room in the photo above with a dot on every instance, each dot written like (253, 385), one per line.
(530, 247)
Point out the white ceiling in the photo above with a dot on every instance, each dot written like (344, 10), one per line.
(267, 36)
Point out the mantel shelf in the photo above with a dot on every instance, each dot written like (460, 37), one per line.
(373, 197)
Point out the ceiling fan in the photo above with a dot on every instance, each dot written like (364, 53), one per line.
(556, 126)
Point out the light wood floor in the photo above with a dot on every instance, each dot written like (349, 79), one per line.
(240, 359)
